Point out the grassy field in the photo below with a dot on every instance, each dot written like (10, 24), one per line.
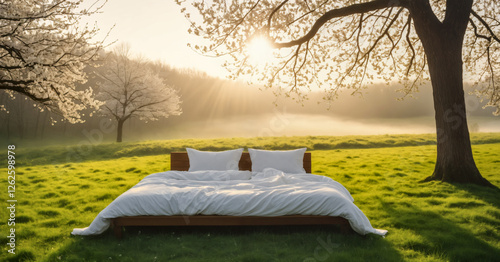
(60, 188)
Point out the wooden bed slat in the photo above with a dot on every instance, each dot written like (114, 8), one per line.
(180, 161)
(204, 220)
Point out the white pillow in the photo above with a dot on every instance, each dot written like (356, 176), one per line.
(207, 160)
(291, 161)
(216, 175)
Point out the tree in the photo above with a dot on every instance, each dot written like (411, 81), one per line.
(350, 44)
(129, 89)
(43, 53)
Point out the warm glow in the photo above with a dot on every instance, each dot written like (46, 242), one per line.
(260, 51)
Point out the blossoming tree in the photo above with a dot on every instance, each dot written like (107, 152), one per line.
(349, 44)
(43, 53)
(129, 89)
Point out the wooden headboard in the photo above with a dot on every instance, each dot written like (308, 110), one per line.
(180, 161)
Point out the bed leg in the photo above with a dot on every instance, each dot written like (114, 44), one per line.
(118, 231)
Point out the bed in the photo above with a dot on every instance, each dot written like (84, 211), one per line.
(265, 213)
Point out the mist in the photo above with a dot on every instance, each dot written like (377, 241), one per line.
(277, 124)
(238, 110)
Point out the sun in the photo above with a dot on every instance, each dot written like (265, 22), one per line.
(260, 51)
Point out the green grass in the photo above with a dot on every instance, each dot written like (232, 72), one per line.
(86, 151)
(426, 221)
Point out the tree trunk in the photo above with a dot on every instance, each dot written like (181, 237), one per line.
(119, 130)
(443, 47)
(455, 162)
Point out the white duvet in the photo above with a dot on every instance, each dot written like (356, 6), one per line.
(233, 193)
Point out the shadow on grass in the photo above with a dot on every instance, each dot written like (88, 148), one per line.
(282, 243)
(439, 237)
(490, 195)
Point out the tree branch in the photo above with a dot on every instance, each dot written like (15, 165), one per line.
(410, 45)
(221, 41)
(273, 12)
(476, 32)
(341, 12)
(493, 35)
(310, 11)
(24, 92)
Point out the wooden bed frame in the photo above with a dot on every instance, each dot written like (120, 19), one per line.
(180, 161)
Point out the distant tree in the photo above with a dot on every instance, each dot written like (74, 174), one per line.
(130, 89)
(43, 53)
(352, 43)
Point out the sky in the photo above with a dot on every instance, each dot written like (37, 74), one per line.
(155, 29)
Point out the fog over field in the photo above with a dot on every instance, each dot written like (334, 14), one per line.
(250, 112)
(304, 125)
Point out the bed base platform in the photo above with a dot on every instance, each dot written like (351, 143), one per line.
(202, 220)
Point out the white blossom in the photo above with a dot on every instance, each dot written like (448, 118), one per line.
(43, 53)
